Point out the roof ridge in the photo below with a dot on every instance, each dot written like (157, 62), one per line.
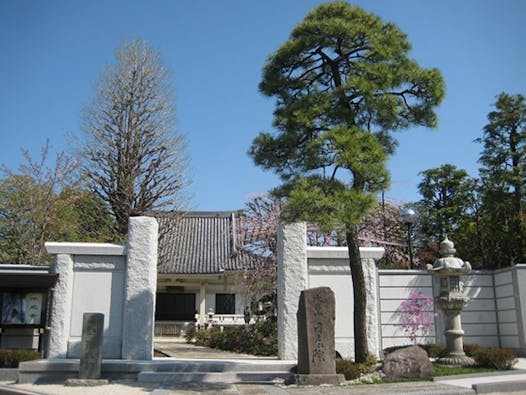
(196, 213)
(210, 214)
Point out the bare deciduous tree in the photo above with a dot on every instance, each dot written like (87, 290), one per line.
(382, 227)
(133, 158)
(258, 235)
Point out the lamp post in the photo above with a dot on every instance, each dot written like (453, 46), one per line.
(408, 216)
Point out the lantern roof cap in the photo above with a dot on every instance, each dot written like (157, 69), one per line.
(447, 248)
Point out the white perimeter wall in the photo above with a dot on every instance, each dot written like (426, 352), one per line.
(118, 281)
(494, 316)
(98, 287)
(329, 266)
(395, 286)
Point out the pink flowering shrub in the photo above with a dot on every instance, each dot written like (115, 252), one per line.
(417, 315)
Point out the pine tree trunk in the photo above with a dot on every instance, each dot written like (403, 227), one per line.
(359, 292)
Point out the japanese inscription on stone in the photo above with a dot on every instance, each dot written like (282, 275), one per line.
(316, 351)
(91, 346)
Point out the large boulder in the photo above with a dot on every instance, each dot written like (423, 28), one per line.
(408, 362)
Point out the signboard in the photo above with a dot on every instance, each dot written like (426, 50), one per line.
(20, 308)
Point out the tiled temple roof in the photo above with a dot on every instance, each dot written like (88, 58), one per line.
(200, 242)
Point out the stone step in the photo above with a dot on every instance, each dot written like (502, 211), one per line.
(219, 366)
(173, 378)
(61, 369)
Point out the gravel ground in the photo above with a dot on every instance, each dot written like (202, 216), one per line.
(124, 387)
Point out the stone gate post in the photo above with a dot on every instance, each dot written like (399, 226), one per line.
(292, 279)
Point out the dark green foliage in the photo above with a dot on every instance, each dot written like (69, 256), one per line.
(342, 83)
(445, 198)
(258, 339)
(201, 338)
(471, 349)
(503, 172)
(91, 217)
(353, 370)
(190, 334)
(39, 203)
(11, 358)
(485, 217)
(446, 208)
(435, 350)
(496, 358)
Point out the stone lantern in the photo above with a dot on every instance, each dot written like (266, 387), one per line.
(451, 300)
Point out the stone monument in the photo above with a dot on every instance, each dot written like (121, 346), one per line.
(316, 348)
(90, 351)
(451, 300)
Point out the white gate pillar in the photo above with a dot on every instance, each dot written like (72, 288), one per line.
(292, 279)
(141, 285)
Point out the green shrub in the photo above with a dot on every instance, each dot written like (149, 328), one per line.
(11, 358)
(438, 350)
(435, 350)
(189, 335)
(217, 339)
(471, 349)
(265, 338)
(352, 370)
(201, 337)
(258, 339)
(497, 358)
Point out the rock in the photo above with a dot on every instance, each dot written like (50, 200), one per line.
(408, 362)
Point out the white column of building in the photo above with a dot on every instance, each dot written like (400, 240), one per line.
(202, 303)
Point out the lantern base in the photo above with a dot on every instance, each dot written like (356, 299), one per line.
(457, 360)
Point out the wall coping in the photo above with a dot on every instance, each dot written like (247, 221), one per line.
(15, 268)
(85, 248)
(342, 252)
(417, 272)
(425, 272)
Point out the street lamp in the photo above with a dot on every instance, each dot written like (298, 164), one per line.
(408, 216)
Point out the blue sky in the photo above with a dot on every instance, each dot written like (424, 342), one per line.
(52, 52)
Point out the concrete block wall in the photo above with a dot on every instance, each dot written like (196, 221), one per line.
(510, 298)
(97, 280)
(116, 280)
(520, 299)
(329, 266)
(494, 317)
(479, 318)
(395, 286)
